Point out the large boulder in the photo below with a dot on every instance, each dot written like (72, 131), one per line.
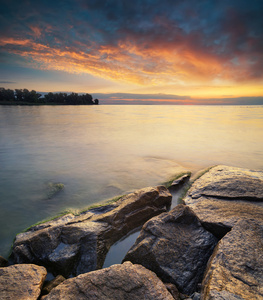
(21, 282)
(224, 195)
(73, 245)
(118, 282)
(235, 270)
(176, 247)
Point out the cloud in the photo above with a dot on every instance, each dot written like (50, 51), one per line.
(143, 42)
(7, 82)
(169, 99)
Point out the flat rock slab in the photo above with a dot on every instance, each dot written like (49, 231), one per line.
(72, 245)
(21, 282)
(118, 282)
(229, 183)
(176, 247)
(224, 195)
(235, 270)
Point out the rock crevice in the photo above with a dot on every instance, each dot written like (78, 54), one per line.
(78, 244)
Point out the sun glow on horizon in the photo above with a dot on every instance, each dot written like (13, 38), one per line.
(177, 50)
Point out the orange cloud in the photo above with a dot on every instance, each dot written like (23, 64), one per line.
(143, 64)
(36, 30)
(15, 42)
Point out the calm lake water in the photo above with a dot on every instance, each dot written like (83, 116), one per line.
(99, 152)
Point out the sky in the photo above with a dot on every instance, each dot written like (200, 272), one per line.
(135, 52)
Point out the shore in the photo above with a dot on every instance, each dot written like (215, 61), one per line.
(218, 225)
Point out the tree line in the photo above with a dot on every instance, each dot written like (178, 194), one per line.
(24, 96)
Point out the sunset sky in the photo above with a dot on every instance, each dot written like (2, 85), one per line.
(120, 51)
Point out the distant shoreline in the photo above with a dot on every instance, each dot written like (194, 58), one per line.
(15, 103)
(26, 97)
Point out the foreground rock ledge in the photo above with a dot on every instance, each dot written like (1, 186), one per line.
(224, 195)
(235, 270)
(21, 282)
(176, 247)
(118, 282)
(73, 245)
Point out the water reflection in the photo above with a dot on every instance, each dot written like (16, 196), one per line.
(118, 251)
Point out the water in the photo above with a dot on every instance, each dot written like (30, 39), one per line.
(118, 250)
(98, 152)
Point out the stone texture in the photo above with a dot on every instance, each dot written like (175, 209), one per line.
(48, 286)
(180, 181)
(77, 244)
(176, 247)
(229, 183)
(21, 282)
(3, 262)
(118, 282)
(235, 270)
(173, 290)
(224, 195)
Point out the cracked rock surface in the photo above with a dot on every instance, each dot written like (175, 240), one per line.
(176, 247)
(235, 270)
(224, 195)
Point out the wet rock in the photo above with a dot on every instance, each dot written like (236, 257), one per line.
(224, 195)
(3, 262)
(176, 247)
(178, 183)
(77, 244)
(236, 267)
(53, 189)
(126, 281)
(21, 281)
(52, 284)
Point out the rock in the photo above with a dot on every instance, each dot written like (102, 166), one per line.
(173, 290)
(126, 281)
(176, 247)
(224, 195)
(236, 267)
(21, 281)
(179, 182)
(53, 189)
(229, 183)
(3, 262)
(52, 284)
(195, 296)
(77, 244)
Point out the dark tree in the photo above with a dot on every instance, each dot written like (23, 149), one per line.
(25, 96)
(7, 95)
(19, 94)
